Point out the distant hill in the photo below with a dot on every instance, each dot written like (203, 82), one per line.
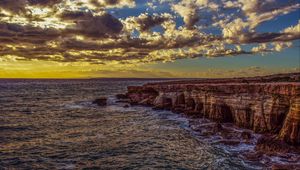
(289, 77)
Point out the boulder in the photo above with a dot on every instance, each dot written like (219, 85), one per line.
(100, 101)
(121, 96)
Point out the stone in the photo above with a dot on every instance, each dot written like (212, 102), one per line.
(100, 101)
(192, 113)
(269, 104)
(217, 127)
(123, 101)
(190, 104)
(229, 142)
(285, 166)
(136, 94)
(220, 113)
(147, 101)
(121, 96)
(163, 102)
(253, 156)
(290, 131)
(177, 109)
(180, 100)
(270, 144)
(246, 135)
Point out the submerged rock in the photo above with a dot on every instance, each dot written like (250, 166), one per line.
(101, 101)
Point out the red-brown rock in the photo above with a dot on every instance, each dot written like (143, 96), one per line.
(268, 104)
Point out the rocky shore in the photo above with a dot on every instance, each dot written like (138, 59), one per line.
(267, 105)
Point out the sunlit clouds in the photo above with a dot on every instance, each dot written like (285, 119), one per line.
(94, 36)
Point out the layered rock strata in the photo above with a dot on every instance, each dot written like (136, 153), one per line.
(262, 106)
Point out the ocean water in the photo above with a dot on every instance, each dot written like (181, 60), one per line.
(52, 124)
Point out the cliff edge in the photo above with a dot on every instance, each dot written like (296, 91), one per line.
(269, 104)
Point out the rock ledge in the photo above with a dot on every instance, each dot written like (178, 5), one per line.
(268, 104)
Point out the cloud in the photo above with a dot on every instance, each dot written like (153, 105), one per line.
(188, 10)
(44, 2)
(131, 73)
(16, 6)
(279, 46)
(145, 22)
(90, 25)
(19, 6)
(11, 33)
(293, 29)
(112, 3)
(92, 31)
(260, 48)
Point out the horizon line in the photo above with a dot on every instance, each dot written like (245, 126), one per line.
(91, 78)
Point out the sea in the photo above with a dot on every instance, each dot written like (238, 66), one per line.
(53, 124)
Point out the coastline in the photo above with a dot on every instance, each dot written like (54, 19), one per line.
(267, 105)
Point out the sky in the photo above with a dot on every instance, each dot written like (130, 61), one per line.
(148, 39)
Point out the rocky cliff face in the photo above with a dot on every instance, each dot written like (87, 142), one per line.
(269, 107)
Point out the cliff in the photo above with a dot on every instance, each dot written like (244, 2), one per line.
(264, 104)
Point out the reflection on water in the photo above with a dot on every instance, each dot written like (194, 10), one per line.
(52, 124)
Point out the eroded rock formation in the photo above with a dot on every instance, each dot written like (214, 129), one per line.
(259, 104)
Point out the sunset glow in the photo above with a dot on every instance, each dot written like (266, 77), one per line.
(157, 38)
